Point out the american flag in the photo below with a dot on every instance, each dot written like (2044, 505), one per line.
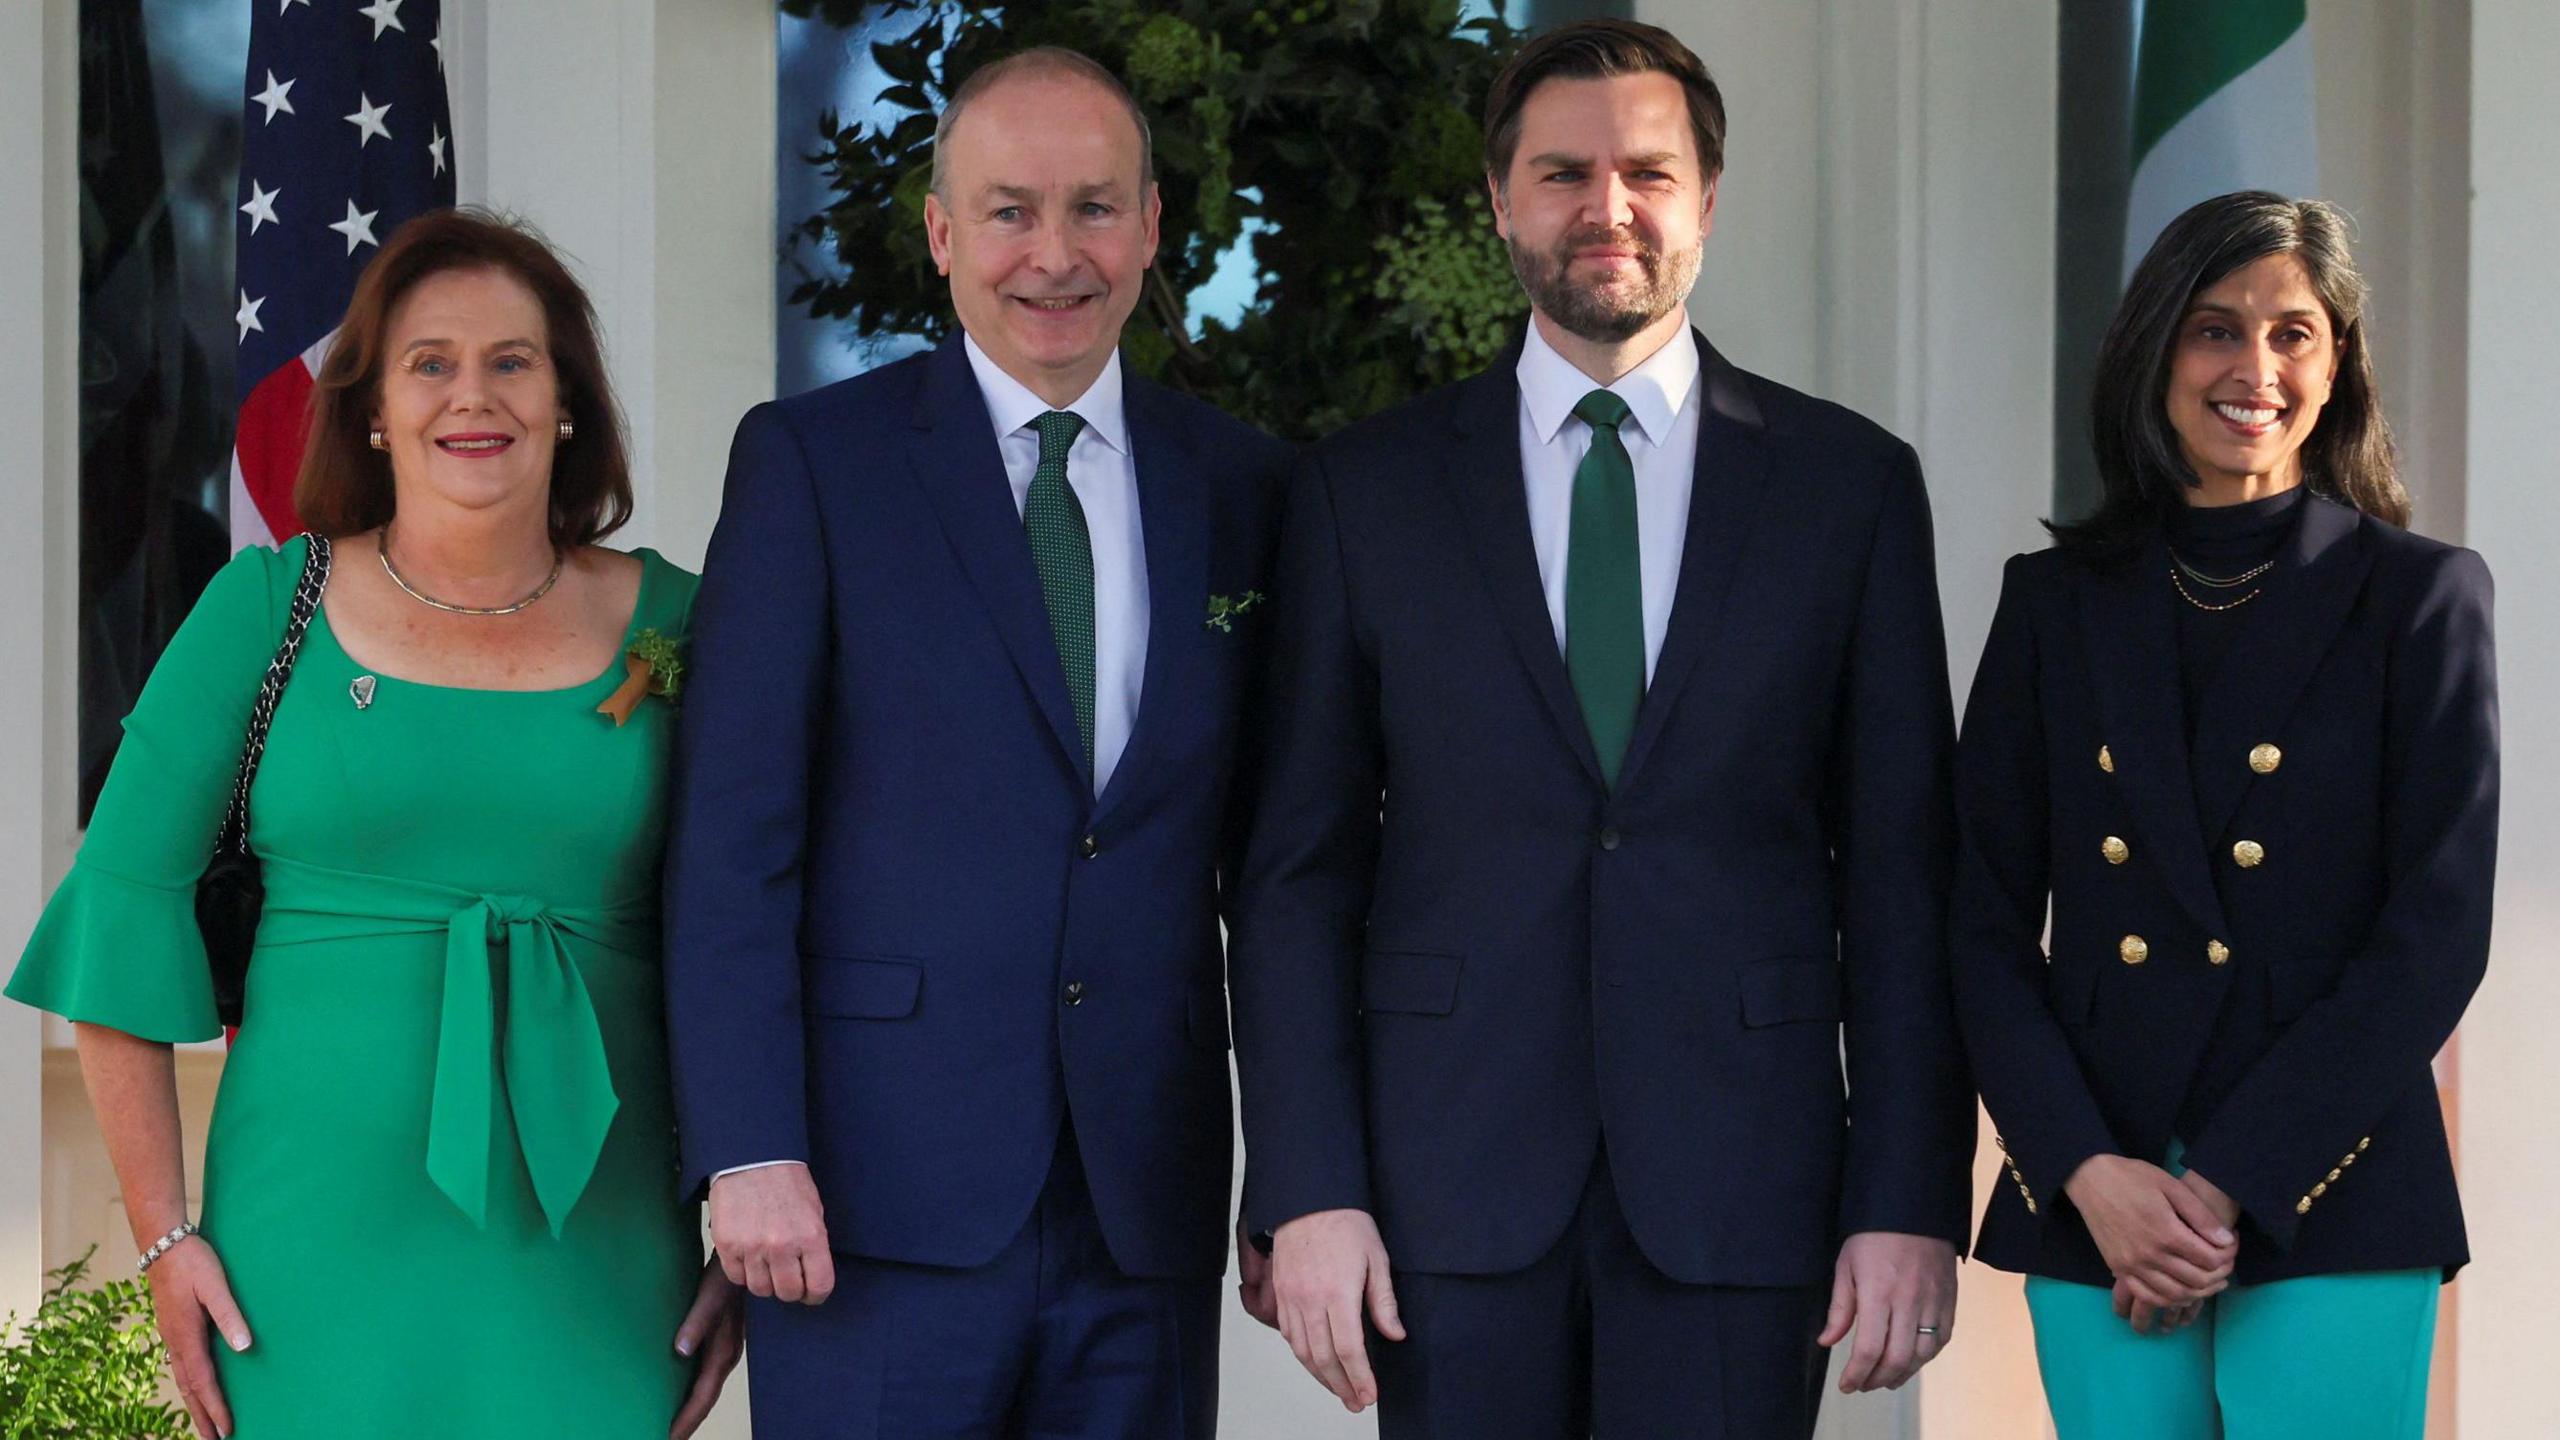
(347, 134)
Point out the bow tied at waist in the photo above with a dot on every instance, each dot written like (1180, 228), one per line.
(559, 1085)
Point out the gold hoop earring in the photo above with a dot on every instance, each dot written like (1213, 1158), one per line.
(568, 429)
(374, 439)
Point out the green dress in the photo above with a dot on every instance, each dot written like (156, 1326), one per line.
(441, 1169)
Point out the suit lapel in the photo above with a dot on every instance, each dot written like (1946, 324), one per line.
(953, 447)
(2132, 640)
(1732, 477)
(2283, 638)
(1483, 471)
(1173, 519)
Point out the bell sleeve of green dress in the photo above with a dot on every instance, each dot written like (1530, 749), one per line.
(117, 945)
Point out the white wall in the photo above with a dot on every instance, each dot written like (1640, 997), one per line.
(2510, 1161)
(39, 261)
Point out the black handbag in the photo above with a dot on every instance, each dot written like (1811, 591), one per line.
(231, 892)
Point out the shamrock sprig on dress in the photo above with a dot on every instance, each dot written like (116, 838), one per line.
(654, 665)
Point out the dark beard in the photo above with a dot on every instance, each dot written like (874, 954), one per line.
(1586, 312)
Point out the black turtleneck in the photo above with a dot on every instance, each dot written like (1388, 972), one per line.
(2223, 541)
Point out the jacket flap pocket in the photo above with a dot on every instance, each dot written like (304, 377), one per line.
(1209, 1016)
(858, 989)
(1413, 982)
(1803, 987)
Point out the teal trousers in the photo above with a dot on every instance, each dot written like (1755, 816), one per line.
(2343, 1357)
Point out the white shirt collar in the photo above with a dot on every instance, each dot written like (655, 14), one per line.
(1655, 391)
(1012, 406)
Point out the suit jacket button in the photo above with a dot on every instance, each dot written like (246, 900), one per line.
(2106, 761)
(2116, 851)
(1608, 839)
(1075, 992)
(2265, 758)
(2249, 854)
(2217, 952)
(2133, 949)
(1089, 847)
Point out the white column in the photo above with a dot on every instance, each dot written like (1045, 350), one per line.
(2510, 1160)
(39, 304)
(1884, 238)
(640, 139)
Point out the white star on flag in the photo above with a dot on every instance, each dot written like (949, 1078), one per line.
(357, 227)
(289, 4)
(261, 208)
(247, 318)
(385, 15)
(435, 42)
(273, 97)
(435, 149)
(368, 120)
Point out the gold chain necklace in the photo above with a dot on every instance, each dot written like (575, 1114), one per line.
(2178, 581)
(383, 549)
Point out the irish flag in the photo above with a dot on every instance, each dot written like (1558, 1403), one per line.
(2221, 102)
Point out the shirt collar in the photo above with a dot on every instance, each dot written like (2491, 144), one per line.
(1012, 406)
(1655, 391)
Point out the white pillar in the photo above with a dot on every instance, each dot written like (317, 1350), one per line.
(2510, 1163)
(640, 139)
(1884, 238)
(39, 305)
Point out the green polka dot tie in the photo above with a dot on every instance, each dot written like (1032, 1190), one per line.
(1063, 549)
(1603, 587)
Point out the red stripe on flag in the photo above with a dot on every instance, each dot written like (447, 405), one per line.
(274, 422)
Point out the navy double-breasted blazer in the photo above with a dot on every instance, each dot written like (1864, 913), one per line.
(2260, 940)
(904, 937)
(1461, 960)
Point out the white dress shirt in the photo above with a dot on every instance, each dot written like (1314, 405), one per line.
(1661, 436)
(1104, 475)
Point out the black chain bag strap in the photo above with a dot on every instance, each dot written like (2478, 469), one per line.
(232, 892)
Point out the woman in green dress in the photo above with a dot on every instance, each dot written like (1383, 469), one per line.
(438, 1190)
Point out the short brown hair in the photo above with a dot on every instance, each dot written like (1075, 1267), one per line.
(345, 484)
(1601, 50)
(1044, 60)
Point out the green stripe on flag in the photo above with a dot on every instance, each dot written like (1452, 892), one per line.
(2191, 48)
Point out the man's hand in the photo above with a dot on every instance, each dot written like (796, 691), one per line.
(1323, 1267)
(771, 1233)
(1253, 1284)
(1891, 1288)
(2156, 1232)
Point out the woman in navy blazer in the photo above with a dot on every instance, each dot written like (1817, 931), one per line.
(2239, 728)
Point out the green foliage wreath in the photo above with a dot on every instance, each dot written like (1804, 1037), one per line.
(1348, 128)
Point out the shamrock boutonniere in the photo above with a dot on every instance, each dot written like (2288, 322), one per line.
(1225, 610)
(654, 665)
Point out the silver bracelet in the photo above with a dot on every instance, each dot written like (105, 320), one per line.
(163, 1246)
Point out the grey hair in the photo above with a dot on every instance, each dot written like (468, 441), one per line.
(1043, 60)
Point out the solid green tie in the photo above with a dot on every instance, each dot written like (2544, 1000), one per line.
(1603, 589)
(1063, 549)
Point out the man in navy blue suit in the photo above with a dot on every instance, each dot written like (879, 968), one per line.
(1607, 789)
(945, 989)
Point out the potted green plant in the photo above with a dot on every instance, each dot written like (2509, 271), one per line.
(88, 1365)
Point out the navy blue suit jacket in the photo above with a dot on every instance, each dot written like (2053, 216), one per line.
(2296, 1071)
(1460, 960)
(903, 935)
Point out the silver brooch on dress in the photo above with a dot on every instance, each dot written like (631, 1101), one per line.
(362, 690)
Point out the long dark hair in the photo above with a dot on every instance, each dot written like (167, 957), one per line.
(2348, 456)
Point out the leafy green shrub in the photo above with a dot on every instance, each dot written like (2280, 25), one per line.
(1346, 130)
(87, 1366)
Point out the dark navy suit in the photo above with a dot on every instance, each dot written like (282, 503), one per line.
(906, 942)
(2291, 918)
(1486, 999)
